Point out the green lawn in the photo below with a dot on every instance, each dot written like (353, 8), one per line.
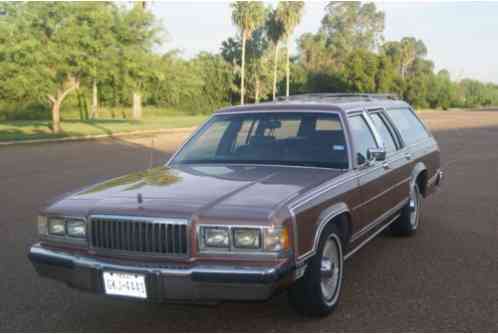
(27, 130)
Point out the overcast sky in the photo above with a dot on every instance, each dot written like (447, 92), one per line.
(460, 36)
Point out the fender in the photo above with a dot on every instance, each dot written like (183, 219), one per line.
(325, 217)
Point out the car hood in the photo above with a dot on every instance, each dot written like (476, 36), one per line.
(214, 190)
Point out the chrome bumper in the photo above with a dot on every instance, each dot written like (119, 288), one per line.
(435, 182)
(165, 282)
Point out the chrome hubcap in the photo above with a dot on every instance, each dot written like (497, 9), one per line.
(330, 269)
(414, 206)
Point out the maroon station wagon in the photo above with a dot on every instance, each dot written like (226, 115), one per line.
(261, 199)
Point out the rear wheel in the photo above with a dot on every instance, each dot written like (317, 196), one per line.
(317, 292)
(409, 220)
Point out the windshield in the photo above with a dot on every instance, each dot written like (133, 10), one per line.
(302, 139)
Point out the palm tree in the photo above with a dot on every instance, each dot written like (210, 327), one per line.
(247, 16)
(275, 32)
(289, 13)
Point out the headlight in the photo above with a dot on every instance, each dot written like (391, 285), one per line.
(217, 237)
(76, 228)
(246, 238)
(56, 226)
(62, 227)
(227, 239)
(42, 225)
(276, 239)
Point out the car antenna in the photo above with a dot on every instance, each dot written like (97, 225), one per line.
(151, 156)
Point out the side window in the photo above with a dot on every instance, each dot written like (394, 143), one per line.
(384, 131)
(408, 125)
(362, 137)
(328, 124)
(288, 129)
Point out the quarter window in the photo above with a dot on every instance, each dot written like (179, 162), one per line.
(410, 127)
(362, 136)
(384, 132)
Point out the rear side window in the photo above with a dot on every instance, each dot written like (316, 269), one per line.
(408, 124)
(328, 124)
(362, 136)
(384, 132)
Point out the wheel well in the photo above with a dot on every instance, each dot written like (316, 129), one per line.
(343, 222)
(422, 182)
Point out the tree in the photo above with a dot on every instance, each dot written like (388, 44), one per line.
(353, 25)
(289, 14)
(404, 53)
(360, 70)
(258, 53)
(386, 76)
(275, 32)
(44, 52)
(411, 49)
(314, 53)
(140, 35)
(247, 16)
(100, 48)
(175, 84)
(259, 64)
(217, 78)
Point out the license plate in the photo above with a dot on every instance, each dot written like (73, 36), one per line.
(125, 284)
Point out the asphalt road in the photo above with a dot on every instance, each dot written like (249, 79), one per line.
(443, 279)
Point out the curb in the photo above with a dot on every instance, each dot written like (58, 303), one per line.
(96, 137)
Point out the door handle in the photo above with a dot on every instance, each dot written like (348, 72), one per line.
(408, 156)
(386, 165)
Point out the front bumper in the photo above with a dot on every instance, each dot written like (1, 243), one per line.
(165, 282)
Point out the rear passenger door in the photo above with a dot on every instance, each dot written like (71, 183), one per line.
(418, 144)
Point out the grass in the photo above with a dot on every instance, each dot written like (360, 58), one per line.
(111, 121)
(29, 130)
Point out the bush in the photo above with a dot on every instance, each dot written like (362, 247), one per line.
(29, 111)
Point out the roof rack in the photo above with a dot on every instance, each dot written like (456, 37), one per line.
(339, 97)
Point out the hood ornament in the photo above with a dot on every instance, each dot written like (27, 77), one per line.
(140, 199)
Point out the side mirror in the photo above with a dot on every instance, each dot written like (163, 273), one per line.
(377, 154)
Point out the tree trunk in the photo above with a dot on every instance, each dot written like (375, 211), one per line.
(275, 69)
(256, 91)
(95, 101)
(56, 102)
(137, 106)
(288, 67)
(56, 117)
(242, 70)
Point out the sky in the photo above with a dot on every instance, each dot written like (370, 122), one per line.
(461, 37)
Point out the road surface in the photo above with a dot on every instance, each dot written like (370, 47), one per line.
(443, 279)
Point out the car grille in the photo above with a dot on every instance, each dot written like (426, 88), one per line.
(141, 235)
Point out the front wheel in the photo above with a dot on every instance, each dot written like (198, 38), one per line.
(317, 292)
(409, 219)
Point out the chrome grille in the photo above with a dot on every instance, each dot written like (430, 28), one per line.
(141, 235)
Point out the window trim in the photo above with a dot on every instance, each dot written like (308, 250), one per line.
(381, 113)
